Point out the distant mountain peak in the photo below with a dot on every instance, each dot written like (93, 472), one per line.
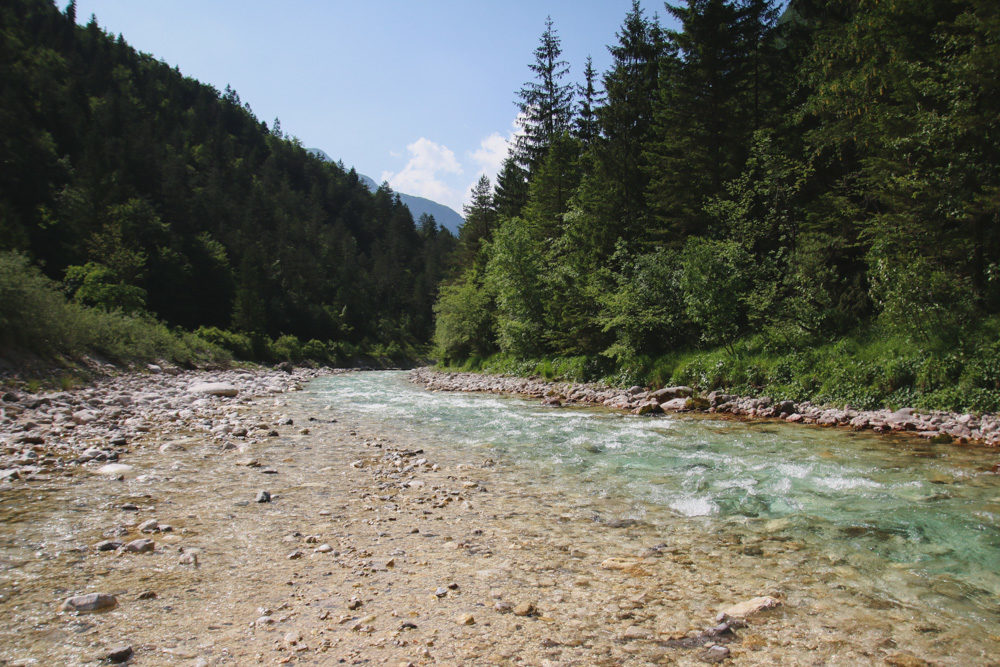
(445, 216)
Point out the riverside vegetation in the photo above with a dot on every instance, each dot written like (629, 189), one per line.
(797, 202)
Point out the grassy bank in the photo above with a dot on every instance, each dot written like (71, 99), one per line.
(42, 328)
(864, 371)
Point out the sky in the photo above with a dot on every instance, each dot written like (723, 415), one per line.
(419, 93)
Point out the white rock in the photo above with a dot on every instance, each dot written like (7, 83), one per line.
(214, 389)
(114, 469)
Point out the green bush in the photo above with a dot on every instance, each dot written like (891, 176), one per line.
(239, 345)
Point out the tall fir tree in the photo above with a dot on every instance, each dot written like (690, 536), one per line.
(545, 104)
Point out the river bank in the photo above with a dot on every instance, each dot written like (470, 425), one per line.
(936, 426)
(277, 527)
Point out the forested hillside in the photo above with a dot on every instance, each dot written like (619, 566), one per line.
(144, 191)
(799, 199)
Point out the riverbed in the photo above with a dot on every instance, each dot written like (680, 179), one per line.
(411, 526)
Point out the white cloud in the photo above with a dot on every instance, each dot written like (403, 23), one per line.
(422, 174)
(490, 155)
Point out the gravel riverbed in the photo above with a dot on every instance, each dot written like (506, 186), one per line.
(177, 523)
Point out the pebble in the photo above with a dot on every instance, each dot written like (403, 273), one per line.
(466, 619)
(107, 545)
(524, 609)
(263, 497)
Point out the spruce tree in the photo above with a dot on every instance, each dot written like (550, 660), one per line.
(546, 105)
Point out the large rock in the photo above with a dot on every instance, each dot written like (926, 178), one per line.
(90, 602)
(213, 389)
(668, 393)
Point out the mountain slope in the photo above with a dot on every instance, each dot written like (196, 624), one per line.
(151, 193)
(445, 216)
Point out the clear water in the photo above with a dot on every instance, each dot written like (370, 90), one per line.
(915, 523)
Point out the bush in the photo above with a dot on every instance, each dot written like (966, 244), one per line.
(35, 316)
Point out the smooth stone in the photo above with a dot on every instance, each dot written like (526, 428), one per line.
(172, 447)
(90, 602)
(748, 608)
(114, 469)
(140, 546)
(107, 545)
(466, 619)
(524, 609)
(213, 389)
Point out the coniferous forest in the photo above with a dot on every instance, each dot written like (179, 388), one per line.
(801, 199)
(147, 193)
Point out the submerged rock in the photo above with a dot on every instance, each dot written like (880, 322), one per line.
(748, 608)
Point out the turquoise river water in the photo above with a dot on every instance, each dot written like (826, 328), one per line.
(920, 523)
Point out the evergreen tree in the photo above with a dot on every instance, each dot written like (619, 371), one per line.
(546, 105)
(587, 127)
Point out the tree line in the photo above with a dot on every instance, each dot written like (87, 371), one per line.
(790, 174)
(141, 190)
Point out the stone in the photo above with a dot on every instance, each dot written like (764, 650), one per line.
(524, 609)
(674, 405)
(295, 555)
(119, 655)
(354, 603)
(114, 469)
(466, 619)
(905, 660)
(263, 497)
(323, 549)
(146, 595)
(743, 610)
(90, 602)
(84, 417)
(714, 654)
(630, 565)
(189, 558)
(150, 526)
(172, 447)
(107, 545)
(634, 632)
(140, 546)
(214, 389)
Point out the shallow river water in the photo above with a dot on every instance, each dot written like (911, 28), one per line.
(919, 523)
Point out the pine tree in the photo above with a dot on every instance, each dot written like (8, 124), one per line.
(546, 106)
(587, 127)
(480, 222)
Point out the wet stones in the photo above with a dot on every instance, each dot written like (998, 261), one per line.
(91, 602)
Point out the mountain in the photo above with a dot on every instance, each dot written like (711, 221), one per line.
(149, 192)
(446, 217)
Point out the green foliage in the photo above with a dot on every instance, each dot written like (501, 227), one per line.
(150, 191)
(96, 285)
(514, 276)
(464, 323)
(713, 278)
(36, 317)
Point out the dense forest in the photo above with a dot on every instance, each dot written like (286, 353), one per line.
(798, 198)
(145, 193)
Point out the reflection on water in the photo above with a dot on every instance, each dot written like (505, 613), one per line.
(918, 523)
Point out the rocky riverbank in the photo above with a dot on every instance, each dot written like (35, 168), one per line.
(49, 434)
(938, 427)
(268, 528)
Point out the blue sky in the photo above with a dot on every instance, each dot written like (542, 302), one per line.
(419, 93)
